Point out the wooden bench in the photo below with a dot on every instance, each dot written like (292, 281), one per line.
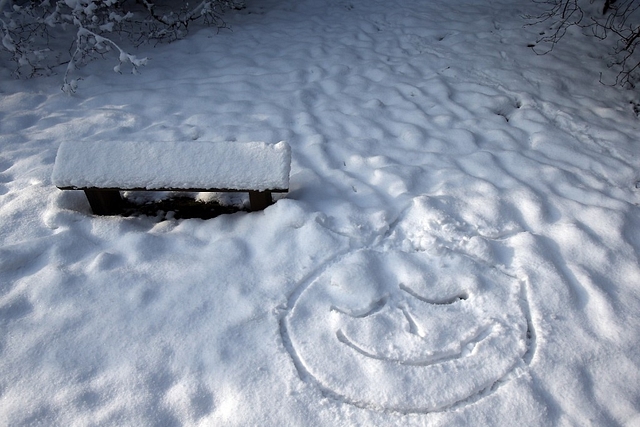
(105, 168)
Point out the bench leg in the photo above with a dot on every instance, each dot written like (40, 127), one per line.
(104, 202)
(260, 200)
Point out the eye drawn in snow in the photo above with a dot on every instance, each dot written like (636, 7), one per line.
(408, 332)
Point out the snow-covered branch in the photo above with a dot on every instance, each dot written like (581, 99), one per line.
(40, 35)
(88, 42)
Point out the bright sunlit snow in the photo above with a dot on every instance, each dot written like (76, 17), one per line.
(173, 164)
(459, 245)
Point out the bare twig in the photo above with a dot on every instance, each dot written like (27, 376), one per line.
(620, 18)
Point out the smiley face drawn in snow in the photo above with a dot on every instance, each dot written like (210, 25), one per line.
(406, 331)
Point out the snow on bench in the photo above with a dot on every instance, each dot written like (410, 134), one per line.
(103, 169)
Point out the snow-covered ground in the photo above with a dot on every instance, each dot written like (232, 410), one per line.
(459, 246)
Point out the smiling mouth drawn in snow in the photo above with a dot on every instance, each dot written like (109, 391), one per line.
(408, 332)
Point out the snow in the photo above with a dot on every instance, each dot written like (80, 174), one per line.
(173, 164)
(374, 312)
(459, 245)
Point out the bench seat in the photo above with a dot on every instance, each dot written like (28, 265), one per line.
(104, 168)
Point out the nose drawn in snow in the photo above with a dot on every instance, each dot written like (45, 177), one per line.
(408, 332)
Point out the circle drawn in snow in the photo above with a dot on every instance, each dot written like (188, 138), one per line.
(406, 332)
